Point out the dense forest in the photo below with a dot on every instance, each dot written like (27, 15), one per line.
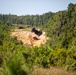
(27, 19)
(62, 28)
(59, 51)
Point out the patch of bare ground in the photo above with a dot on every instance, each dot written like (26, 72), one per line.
(29, 38)
(50, 71)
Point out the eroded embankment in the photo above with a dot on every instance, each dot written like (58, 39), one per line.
(29, 38)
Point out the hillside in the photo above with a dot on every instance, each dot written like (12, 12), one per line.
(57, 56)
(62, 28)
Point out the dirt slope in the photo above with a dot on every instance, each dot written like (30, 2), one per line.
(29, 38)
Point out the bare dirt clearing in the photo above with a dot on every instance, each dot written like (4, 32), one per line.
(50, 71)
(29, 38)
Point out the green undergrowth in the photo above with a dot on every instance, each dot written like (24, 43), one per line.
(59, 51)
